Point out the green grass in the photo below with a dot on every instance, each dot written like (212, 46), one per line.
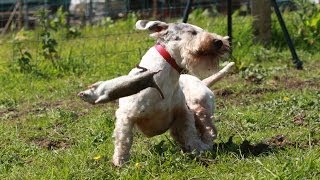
(266, 131)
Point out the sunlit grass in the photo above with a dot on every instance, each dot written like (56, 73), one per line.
(48, 133)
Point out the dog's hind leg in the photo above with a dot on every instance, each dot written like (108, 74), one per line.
(184, 131)
(123, 137)
(203, 120)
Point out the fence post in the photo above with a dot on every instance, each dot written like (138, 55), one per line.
(90, 12)
(261, 12)
(187, 11)
(295, 57)
(230, 23)
(26, 14)
(66, 6)
(128, 3)
(16, 6)
(45, 4)
(20, 20)
(154, 8)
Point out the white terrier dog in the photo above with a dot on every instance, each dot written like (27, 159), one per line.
(187, 107)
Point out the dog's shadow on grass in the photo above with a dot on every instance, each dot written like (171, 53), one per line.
(243, 149)
(246, 148)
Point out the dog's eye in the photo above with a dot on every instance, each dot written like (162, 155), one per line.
(194, 32)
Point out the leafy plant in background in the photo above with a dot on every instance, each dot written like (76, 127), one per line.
(23, 60)
(73, 65)
(309, 26)
(73, 32)
(202, 14)
(48, 44)
(254, 73)
(59, 22)
(107, 21)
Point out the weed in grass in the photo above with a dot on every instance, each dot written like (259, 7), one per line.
(24, 61)
(48, 44)
(8, 104)
(254, 73)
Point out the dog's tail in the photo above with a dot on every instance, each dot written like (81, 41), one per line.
(209, 81)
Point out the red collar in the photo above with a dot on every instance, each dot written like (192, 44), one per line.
(165, 54)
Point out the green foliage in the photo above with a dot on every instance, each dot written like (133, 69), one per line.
(48, 44)
(254, 73)
(108, 22)
(72, 65)
(73, 32)
(24, 61)
(59, 20)
(8, 103)
(303, 25)
(309, 26)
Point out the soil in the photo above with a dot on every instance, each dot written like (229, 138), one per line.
(42, 107)
(51, 144)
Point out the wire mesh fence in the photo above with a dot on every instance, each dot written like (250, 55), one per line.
(91, 11)
(19, 14)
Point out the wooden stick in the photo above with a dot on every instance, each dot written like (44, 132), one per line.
(10, 18)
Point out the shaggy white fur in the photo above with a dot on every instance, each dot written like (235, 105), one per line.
(187, 107)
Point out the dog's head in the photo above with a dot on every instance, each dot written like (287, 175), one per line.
(194, 49)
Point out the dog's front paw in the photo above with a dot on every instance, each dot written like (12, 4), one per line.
(88, 95)
(198, 147)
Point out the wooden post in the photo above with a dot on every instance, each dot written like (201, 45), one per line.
(187, 11)
(229, 5)
(10, 19)
(26, 14)
(261, 12)
(90, 12)
(154, 9)
(20, 19)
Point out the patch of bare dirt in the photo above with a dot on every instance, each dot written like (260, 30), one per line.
(224, 92)
(9, 113)
(51, 144)
(279, 141)
(263, 90)
(299, 119)
(296, 83)
(42, 107)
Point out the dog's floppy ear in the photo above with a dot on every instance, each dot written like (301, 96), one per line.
(156, 27)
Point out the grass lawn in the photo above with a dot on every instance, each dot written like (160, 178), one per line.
(267, 116)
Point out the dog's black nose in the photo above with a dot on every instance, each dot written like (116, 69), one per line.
(217, 43)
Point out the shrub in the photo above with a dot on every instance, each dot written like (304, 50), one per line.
(303, 25)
